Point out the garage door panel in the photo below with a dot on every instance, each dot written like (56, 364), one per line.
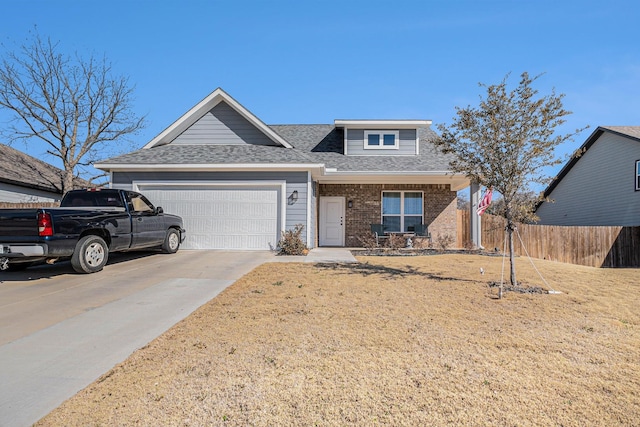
(221, 217)
(236, 209)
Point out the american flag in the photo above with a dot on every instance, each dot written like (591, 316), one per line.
(485, 202)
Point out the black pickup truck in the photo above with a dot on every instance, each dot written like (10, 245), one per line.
(85, 228)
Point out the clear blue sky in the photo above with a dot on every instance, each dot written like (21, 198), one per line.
(305, 61)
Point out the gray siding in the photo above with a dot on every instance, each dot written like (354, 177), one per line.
(355, 144)
(599, 189)
(296, 212)
(223, 125)
(10, 193)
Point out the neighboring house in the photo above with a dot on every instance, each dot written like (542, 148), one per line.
(238, 183)
(601, 186)
(25, 179)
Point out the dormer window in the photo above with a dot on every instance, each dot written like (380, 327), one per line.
(381, 140)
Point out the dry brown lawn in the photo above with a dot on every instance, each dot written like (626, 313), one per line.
(393, 340)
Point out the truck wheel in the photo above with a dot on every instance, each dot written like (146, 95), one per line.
(171, 242)
(90, 255)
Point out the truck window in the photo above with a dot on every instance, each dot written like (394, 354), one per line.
(140, 203)
(115, 201)
(92, 199)
(77, 202)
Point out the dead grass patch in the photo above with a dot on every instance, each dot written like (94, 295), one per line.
(396, 341)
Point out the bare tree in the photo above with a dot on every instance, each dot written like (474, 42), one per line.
(74, 105)
(463, 202)
(505, 144)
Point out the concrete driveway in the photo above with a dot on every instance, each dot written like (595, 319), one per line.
(59, 331)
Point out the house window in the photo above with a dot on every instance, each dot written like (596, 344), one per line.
(401, 210)
(637, 175)
(381, 139)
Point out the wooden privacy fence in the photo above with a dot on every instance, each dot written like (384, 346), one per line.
(583, 245)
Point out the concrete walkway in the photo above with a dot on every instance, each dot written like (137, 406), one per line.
(41, 370)
(318, 255)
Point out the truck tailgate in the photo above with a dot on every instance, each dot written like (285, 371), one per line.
(18, 222)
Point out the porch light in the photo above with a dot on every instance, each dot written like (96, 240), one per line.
(350, 204)
(293, 197)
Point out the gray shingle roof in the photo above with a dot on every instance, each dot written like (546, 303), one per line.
(205, 154)
(21, 169)
(313, 144)
(325, 144)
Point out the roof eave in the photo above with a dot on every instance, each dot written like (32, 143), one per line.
(110, 167)
(382, 124)
(51, 189)
(456, 181)
(318, 171)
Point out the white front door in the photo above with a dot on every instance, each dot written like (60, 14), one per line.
(332, 221)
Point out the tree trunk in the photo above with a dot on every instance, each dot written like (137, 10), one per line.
(67, 182)
(512, 259)
(511, 226)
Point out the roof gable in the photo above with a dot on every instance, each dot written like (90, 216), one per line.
(222, 125)
(207, 105)
(632, 132)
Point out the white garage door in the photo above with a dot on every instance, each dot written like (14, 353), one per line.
(221, 217)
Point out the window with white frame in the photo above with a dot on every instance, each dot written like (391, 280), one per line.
(401, 210)
(637, 175)
(381, 139)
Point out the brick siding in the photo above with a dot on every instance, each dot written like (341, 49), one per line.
(440, 207)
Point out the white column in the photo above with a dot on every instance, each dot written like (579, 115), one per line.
(474, 218)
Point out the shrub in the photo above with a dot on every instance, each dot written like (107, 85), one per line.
(368, 241)
(422, 242)
(444, 241)
(291, 243)
(396, 241)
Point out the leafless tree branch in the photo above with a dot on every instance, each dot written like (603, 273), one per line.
(75, 105)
